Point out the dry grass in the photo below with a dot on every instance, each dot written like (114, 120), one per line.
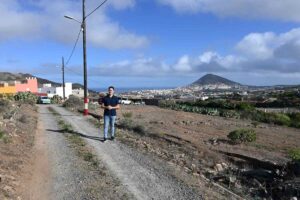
(16, 142)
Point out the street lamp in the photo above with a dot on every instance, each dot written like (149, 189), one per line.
(68, 17)
(83, 26)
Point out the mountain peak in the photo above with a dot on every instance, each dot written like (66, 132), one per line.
(211, 79)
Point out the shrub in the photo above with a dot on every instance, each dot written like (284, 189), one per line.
(294, 154)
(139, 129)
(4, 105)
(67, 128)
(166, 103)
(88, 156)
(229, 114)
(127, 115)
(126, 124)
(242, 135)
(73, 102)
(282, 119)
(26, 97)
(255, 124)
(295, 118)
(272, 118)
(23, 119)
(4, 137)
(245, 106)
(56, 99)
(1, 134)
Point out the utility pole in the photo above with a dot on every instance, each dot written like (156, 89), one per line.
(86, 101)
(83, 27)
(63, 78)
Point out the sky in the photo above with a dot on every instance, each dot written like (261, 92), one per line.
(153, 43)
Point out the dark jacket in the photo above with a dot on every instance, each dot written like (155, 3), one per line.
(110, 101)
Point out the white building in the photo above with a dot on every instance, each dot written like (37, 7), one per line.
(78, 92)
(51, 91)
(203, 98)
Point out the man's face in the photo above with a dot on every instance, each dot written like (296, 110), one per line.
(110, 91)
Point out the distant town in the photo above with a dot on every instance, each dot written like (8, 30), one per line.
(207, 87)
(213, 87)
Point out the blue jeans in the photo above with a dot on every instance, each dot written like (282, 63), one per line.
(109, 122)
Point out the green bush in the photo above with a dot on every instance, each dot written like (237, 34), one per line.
(295, 119)
(245, 106)
(26, 97)
(73, 102)
(56, 99)
(282, 119)
(242, 135)
(1, 134)
(229, 114)
(242, 110)
(294, 154)
(7, 96)
(5, 138)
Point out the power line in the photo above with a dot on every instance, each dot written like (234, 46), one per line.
(77, 73)
(82, 28)
(77, 39)
(71, 70)
(96, 8)
(74, 47)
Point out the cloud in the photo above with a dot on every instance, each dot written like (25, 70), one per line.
(285, 10)
(183, 64)
(270, 45)
(145, 67)
(39, 19)
(16, 23)
(255, 53)
(257, 46)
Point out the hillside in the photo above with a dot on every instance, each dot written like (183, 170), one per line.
(6, 76)
(211, 79)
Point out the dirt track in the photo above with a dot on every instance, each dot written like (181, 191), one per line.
(127, 170)
(144, 177)
(58, 172)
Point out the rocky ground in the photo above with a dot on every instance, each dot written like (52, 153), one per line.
(74, 172)
(40, 160)
(145, 176)
(17, 130)
(199, 144)
(47, 152)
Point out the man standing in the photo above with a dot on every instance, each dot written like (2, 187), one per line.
(110, 104)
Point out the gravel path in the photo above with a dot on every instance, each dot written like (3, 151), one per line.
(66, 178)
(143, 176)
(71, 177)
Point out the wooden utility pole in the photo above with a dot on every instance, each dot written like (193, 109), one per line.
(63, 78)
(86, 101)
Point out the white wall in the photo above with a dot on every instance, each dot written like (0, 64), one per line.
(51, 91)
(68, 90)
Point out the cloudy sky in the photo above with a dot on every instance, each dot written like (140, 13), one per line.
(154, 43)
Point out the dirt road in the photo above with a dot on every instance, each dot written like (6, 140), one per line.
(58, 172)
(139, 176)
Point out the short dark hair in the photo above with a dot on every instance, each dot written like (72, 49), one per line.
(111, 87)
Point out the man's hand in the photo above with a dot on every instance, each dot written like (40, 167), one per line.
(109, 107)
